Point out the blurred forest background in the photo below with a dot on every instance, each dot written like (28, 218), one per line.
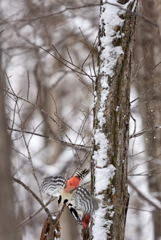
(49, 63)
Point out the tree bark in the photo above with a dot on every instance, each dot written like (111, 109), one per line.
(111, 119)
(158, 10)
(148, 86)
(7, 218)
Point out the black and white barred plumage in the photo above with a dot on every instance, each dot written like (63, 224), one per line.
(82, 200)
(81, 174)
(79, 200)
(53, 185)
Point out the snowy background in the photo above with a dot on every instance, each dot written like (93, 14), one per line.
(49, 58)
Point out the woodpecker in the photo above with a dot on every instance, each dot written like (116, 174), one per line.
(69, 192)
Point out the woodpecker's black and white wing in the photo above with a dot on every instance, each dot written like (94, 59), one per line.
(53, 186)
(82, 203)
(83, 200)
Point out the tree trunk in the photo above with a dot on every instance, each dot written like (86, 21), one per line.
(149, 89)
(7, 220)
(158, 10)
(111, 119)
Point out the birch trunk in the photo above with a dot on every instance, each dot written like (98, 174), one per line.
(111, 119)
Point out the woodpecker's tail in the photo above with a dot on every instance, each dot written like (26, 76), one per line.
(82, 173)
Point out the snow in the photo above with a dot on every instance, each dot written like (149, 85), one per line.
(99, 222)
(101, 154)
(103, 177)
(109, 55)
(104, 171)
(104, 95)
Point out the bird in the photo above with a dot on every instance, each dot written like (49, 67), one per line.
(69, 192)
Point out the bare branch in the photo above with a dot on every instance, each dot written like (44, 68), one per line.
(27, 219)
(67, 144)
(144, 131)
(141, 195)
(35, 196)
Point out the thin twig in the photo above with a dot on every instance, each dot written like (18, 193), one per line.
(141, 195)
(6, 21)
(27, 219)
(144, 131)
(35, 196)
(72, 145)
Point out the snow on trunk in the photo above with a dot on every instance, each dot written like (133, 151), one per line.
(111, 54)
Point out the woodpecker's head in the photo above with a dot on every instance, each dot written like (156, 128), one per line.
(72, 183)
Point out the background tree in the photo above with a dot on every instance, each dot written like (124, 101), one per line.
(49, 51)
(7, 216)
(148, 87)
